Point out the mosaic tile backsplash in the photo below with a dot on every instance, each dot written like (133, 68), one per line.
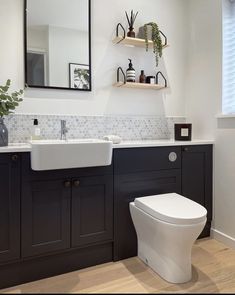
(127, 127)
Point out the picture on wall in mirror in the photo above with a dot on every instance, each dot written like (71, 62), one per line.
(79, 76)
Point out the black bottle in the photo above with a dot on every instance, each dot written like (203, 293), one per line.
(142, 77)
(130, 73)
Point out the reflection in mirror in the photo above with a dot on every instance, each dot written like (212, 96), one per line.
(57, 45)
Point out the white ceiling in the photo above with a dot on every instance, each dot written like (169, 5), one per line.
(61, 13)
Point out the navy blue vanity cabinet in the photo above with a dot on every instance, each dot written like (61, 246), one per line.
(9, 207)
(148, 171)
(92, 210)
(53, 222)
(58, 221)
(197, 178)
(45, 216)
(140, 172)
(65, 209)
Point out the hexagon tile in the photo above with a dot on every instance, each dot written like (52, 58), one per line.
(127, 127)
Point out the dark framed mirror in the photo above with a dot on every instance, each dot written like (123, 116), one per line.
(58, 44)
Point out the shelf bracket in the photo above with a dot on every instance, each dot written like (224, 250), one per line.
(165, 38)
(118, 75)
(117, 32)
(157, 78)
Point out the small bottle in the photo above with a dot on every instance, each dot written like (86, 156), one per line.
(36, 132)
(142, 77)
(150, 80)
(130, 73)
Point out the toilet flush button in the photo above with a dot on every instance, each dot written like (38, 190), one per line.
(172, 157)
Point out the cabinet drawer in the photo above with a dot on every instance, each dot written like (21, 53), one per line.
(146, 159)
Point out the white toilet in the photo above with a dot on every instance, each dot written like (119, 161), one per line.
(167, 227)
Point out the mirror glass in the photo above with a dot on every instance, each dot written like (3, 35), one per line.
(57, 44)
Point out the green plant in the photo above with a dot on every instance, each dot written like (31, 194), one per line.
(156, 38)
(81, 78)
(8, 102)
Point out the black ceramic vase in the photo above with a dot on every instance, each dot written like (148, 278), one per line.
(131, 33)
(3, 133)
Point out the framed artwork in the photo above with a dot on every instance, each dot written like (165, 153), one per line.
(183, 132)
(79, 76)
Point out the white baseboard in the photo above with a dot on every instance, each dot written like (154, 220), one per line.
(225, 239)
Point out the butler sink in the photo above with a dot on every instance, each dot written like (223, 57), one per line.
(66, 154)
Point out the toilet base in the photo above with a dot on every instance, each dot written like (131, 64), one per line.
(168, 269)
(165, 247)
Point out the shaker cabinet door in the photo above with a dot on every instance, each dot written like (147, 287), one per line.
(92, 210)
(10, 207)
(197, 175)
(197, 179)
(45, 217)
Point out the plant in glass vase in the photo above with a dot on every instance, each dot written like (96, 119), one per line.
(8, 103)
(131, 21)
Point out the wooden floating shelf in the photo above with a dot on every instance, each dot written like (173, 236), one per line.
(134, 42)
(139, 85)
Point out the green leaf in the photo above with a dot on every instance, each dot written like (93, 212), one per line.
(8, 102)
(3, 104)
(156, 38)
(4, 88)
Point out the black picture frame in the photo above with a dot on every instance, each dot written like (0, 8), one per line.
(79, 76)
(183, 132)
(25, 55)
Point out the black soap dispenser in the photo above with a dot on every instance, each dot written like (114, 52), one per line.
(130, 73)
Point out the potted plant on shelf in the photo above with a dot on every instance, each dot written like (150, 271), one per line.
(131, 21)
(8, 103)
(152, 32)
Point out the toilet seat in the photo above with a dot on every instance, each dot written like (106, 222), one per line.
(172, 208)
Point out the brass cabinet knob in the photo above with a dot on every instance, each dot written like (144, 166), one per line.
(67, 183)
(185, 149)
(14, 158)
(76, 183)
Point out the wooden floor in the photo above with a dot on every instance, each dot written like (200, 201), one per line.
(213, 272)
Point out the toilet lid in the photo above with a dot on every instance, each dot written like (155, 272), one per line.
(172, 208)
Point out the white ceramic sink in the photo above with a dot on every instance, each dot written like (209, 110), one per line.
(75, 153)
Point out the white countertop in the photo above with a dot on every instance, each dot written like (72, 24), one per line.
(25, 147)
(16, 148)
(158, 143)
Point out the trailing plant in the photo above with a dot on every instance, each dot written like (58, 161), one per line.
(8, 102)
(156, 38)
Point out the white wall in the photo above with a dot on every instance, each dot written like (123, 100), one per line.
(11, 53)
(53, 12)
(204, 75)
(37, 38)
(66, 46)
(105, 99)
(203, 104)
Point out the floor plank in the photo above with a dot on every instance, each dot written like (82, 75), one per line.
(213, 272)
